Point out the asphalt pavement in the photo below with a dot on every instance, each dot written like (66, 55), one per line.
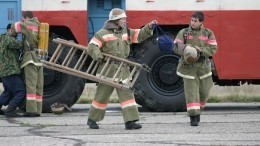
(221, 124)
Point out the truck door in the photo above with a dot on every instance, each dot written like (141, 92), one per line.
(98, 11)
(10, 11)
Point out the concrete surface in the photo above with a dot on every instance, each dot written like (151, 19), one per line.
(221, 124)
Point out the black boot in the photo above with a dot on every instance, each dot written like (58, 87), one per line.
(31, 115)
(198, 118)
(194, 121)
(92, 124)
(1, 111)
(130, 125)
(10, 112)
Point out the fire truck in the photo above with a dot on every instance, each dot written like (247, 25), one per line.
(235, 24)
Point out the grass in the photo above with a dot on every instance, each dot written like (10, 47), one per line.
(243, 93)
(234, 98)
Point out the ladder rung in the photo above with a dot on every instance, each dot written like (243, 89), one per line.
(104, 67)
(72, 55)
(58, 55)
(95, 68)
(80, 60)
(131, 75)
(90, 66)
(54, 55)
(67, 56)
(83, 62)
(118, 70)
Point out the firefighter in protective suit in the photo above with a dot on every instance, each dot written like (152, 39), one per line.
(115, 39)
(195, 44)
(33, 69)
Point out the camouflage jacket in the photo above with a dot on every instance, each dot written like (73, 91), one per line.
(30, 31)
(117, 43)
(9, 53)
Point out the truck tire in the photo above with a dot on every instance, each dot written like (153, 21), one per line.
(161, 89)
(60, 87)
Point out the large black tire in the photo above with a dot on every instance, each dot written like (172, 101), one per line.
(161, 89)
(60, 87)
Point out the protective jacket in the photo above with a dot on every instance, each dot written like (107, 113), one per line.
(30, 29)
(33, 69)
(204, 39)
(115, 42)
(9, 53)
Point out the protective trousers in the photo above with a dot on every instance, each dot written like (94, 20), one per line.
(197, 92)
(34, 88)
(14, 90)
(126, 99)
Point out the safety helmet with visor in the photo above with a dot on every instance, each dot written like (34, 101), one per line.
(116, 14)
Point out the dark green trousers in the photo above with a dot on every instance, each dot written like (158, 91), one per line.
(126, 99)
(34, 88)
(197, 92)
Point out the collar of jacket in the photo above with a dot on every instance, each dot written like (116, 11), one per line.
(112, 25)
(34, 19)
(201, 27)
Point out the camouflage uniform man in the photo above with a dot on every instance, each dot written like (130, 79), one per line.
(197, 75)
(33, 69)
(113, 39)
(14, 87)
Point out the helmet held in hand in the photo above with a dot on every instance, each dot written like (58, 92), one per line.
(190, 55)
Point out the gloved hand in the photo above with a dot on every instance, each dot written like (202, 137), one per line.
(152, 24)
(198, 48)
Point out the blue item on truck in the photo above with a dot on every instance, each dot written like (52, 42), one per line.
(98, 14)
(10, 12)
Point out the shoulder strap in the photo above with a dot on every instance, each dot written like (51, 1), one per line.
(185, 35)
(128, 33)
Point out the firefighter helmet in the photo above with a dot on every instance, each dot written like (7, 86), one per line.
(57, 108)
(190, 54)
(116, 14)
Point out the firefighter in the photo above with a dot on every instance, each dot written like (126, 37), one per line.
(194, 66)
(14, 87)
(115, 39)
(33, 69)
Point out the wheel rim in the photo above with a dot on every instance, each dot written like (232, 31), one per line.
(163, 77)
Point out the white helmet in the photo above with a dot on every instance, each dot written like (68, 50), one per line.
(190, 54)
(116, 13)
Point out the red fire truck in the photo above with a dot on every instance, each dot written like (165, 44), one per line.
(234, 22)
